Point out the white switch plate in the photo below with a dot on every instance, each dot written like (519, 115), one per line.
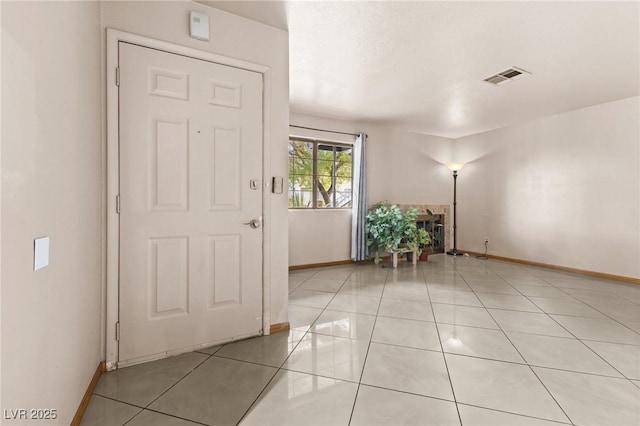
(277, 185)
(199, 26)
(41, 253)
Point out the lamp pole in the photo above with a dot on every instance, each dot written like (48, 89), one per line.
(454, 167)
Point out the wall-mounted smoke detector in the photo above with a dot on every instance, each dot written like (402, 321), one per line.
(506, 76)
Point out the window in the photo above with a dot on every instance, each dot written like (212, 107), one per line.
(319, 174)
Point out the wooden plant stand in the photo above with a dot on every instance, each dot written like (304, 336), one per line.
(394, 255)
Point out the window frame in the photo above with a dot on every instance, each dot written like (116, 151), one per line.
(314, 160)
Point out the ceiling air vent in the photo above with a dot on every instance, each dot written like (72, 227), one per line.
(507, 75)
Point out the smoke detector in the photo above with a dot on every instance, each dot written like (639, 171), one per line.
(506, 76)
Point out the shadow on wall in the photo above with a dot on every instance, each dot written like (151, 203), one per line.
(480, 146)
(272, 13)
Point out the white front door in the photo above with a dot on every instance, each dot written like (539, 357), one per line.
(190, 178)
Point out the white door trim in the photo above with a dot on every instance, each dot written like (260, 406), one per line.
(113, 181)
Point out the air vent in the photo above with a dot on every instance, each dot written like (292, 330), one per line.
(507, 75)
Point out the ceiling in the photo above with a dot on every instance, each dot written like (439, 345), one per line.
(420, 66)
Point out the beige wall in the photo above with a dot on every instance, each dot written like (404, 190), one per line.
(53, 180)
(1, 405)
(402, 167)
(239, 38)
(51, 185)
(563, 190)
(318, 236)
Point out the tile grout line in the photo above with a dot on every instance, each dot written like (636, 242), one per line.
(464, 276)
(253, 403)
(163, 393)
(364, 364)
(514, 413)
(283, 362)
(164, 414)
(562, 289)
(531, 368)
(370, 337)
(281, 367)
(574, 337)
(520, 354)
(591, 374)
(579, 339)
(122, 402)
(143, 409)
(179, 380)
(446, 364)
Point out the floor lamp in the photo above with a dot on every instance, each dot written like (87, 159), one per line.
(454, 167)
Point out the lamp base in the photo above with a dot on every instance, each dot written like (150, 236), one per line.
(455, 252)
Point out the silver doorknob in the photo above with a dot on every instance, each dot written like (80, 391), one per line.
(254, 224)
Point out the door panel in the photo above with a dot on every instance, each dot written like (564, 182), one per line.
(223, 268)
(190, 144)
(168, 277)
(224, 154)
(169, 166)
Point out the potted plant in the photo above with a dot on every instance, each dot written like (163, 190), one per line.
(434, 237)
(389, 229)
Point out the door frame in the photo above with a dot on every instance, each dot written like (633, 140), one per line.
(112, 306)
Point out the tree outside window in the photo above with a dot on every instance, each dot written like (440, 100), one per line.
(320, 174)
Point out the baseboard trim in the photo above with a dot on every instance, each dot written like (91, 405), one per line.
(336, 263)
(102, 367)
(558, 268)
(277, 328)
(319, 265)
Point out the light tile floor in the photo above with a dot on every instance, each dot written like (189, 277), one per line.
(447, 342)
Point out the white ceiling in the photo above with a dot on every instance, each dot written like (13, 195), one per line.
(419, 66)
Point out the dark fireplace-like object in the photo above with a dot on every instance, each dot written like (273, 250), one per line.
(434, 225)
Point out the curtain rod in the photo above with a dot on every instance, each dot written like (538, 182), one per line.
(322, 130)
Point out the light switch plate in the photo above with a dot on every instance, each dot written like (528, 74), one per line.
(277, 185)
(41, 253)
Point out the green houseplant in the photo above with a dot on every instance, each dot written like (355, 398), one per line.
(434, 237)
(389, 229)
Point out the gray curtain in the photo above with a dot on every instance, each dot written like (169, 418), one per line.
(359, 250)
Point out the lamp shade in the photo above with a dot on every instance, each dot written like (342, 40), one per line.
(454, 166)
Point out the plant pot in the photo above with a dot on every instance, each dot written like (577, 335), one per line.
(424, 256)
(409, 256)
